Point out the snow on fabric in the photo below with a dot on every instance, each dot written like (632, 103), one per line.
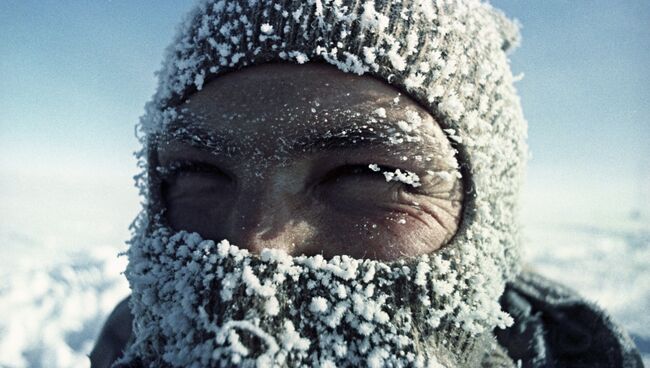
(457, 69)
(460, 60)
(208, 304)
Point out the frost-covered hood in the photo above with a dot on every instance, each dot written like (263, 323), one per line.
(450, 56)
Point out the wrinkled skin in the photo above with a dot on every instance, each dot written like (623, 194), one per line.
(283, 162)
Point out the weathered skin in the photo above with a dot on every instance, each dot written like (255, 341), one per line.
(285, 166)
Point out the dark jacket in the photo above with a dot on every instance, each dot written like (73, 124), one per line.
(554, 327)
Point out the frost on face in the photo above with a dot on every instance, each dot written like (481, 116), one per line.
(405, 177)
(380, 112)
(293, 311)
(447, 176)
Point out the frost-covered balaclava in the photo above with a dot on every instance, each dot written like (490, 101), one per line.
(201, 303)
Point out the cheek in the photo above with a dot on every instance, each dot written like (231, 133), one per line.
(199, 206)
(388, 233)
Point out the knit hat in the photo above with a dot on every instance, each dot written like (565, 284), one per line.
(450, 56)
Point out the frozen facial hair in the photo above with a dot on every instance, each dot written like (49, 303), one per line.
(201, 303)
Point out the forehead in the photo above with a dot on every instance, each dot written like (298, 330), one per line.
(271, 89)
(268, 106)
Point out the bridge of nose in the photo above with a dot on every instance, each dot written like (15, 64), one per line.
(270, 210)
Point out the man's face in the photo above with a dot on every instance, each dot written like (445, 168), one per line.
(305, 158)
(315, 165)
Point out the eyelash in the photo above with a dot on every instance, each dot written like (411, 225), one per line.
(349, 169)
(178, 168)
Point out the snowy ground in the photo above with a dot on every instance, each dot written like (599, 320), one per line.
(53, 311)
(54, 298)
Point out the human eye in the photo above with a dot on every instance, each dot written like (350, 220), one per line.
(351, 172)
(177, 170)
(384, 175)
(366, 185)
(186, 181)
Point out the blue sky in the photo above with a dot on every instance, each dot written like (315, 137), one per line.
(585, 91)
(75, 75)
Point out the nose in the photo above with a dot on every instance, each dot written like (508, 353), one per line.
(269, 218)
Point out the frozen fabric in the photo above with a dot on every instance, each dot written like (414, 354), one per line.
(553, 327)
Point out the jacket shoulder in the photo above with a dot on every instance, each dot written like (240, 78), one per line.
(113, 337)
(555, 327)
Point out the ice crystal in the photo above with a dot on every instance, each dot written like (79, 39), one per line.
(266, 28)
(405, 177)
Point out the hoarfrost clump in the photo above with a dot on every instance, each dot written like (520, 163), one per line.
(318, 305)
(272, 307)
(266, 28)
(300, 57)
(411, 125)
(404, 126)
(406, 177)
(445, 175)
(380, 112)
(451, 133)
(372, 19)
(398, 61)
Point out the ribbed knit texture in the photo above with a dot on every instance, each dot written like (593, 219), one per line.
(450, 56)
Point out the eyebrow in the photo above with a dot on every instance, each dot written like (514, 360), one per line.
(351, 137)
(197, 138)
(344, 139)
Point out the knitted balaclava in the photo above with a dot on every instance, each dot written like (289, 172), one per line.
(201, 303)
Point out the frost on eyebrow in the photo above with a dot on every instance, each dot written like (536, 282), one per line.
(173, 139)
(299, 129)
(400, 135)
(380, 112)
(412, 123)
